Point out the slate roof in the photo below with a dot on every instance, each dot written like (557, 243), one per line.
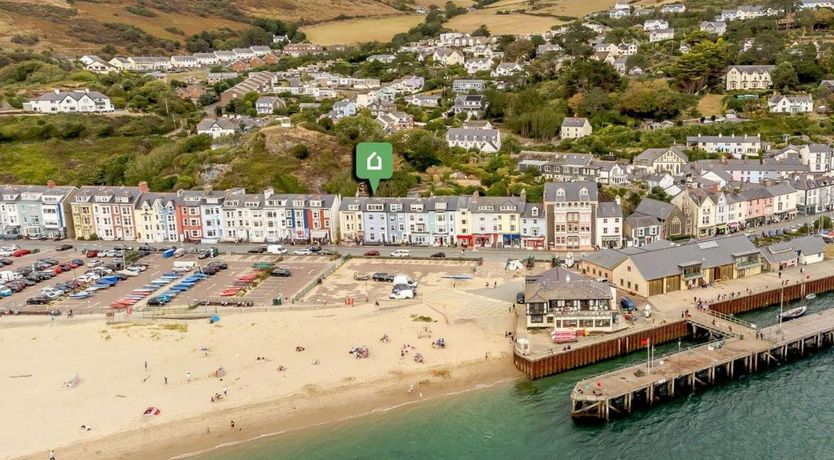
(571, 191)
(609, 209)
(559, 283)
(660, 210)
(781, 252)
(574, 122)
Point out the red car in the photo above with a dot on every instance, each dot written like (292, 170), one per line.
(21, 252)
(371, 253)
(56, 269)
(91, 253)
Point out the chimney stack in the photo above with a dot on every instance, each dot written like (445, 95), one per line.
(50, 184)
(143, 187)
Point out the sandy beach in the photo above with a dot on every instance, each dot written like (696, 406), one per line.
(322, 383)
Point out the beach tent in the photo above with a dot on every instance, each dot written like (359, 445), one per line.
(214, 319)
(151, 411)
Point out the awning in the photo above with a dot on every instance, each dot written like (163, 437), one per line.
(318, 234)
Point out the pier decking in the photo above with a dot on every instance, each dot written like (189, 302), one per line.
(619, 391)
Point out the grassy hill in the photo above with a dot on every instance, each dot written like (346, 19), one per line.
(78, 26)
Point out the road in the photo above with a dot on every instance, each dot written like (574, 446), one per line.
(491, 254)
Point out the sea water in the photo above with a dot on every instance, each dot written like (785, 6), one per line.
(785, 412)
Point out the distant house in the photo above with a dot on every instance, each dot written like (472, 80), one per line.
(383, 58)
(184, 62)
(798, 252)
(95, 64)
(620, 10)
(342, 109)
(548, 48)
(225, 57)
(673, 8)
(260, 50)
(217, 77)
(395, 121)
(655, 24)
(661, 35)
(561, 300)
(484, 140)
(424, 100)
(800, 103)
(737, 146)
(206, 59)
(507, 69)
(714, 27)
(671, 160)
(217, 127)
(193, 91)
(574, 128)
(280, 39)
(609, 225)
(448, 56)
(813, 4)
(472, 105)
(465, 86)
(266, 105)
(57, 101)
(476, 65)
(302, 49)
(749, 77)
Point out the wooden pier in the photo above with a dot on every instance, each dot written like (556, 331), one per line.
(619, 392)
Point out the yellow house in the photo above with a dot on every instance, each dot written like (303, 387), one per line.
(82, 215)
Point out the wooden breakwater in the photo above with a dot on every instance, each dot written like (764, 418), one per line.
(543, 366)
(758, 300)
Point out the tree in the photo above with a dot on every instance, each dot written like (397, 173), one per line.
(784, 77)
(652, 99)
(521, 49)
(659, 194)
(575, 40)
(481, 31)
(704, 61)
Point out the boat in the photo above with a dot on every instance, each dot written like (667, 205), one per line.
(811, 296)
(793, 313)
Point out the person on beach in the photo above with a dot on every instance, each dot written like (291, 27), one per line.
(233, 424)
(188, 376)
(166, 380)
(146, 365)
(51, 455)
(225, 390)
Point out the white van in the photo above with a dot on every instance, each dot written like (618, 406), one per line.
(8, 275)
(401, 253)
(276, 249)
(184, 266)
(404, 279)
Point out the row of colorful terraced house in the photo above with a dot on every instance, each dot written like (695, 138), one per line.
(570, 214)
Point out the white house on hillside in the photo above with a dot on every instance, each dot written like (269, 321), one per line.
(574, 128)
(85, 101)
(800, 103)
(484, 140)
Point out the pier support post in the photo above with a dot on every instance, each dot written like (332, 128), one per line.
(711, 375)
(730, 369)
(802, 347)
(628, 402)
(672, 387)
(650, 394)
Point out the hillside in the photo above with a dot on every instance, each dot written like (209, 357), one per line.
(290, 160)
(75, 27)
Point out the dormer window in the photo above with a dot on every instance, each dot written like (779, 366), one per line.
(534, 212)
(560, 192)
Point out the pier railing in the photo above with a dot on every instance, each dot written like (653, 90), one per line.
(732, 319)
(656, 358)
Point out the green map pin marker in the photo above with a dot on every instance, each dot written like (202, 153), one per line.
(374, 162)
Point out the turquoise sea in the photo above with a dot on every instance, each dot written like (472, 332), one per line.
(780, 413)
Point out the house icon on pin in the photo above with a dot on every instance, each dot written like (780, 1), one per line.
(374, 162)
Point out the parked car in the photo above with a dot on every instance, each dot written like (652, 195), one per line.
(63, 247)
(372, 253)
(402, 294)
(21, 252)
(400, 253)
(5, 292)
(283, 272)
(158, 301)
(315, 248)
(220, 265)
(257, 250)
(361, 276)
(38, 300)
(91, 253)
(519, 298)
(438, 255)
(6, 262)
(384, 277)
(204, 254)
(303, 252)
(326, 252)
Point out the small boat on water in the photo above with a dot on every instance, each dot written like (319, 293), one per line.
(793, 313)
(811, 296)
